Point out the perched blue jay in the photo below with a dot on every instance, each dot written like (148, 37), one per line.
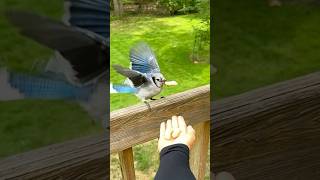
(80, 65)
(144, 78)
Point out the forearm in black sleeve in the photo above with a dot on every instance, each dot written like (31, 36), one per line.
(174, 163)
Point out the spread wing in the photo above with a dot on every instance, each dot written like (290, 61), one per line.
(86, 52)
(143, 59)
(136, 77)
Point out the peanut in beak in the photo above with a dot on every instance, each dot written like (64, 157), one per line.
(170, 83)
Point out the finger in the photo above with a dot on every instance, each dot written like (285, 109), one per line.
(190, 130)
(175, 125)
(176, 133)
(182, 124)
(162, 129)
(168, 130)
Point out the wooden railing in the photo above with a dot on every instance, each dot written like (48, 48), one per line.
(82, 158)
(268, 133)
(137, 124)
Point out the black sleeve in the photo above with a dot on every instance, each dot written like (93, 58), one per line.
(174, 163)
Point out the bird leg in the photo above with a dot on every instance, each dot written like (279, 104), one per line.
(148, 105)
(156, 99)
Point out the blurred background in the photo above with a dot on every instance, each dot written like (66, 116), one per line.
(257, 43)
(29, 124)
(178, 31)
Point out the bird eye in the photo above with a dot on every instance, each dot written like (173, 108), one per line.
(158, 79)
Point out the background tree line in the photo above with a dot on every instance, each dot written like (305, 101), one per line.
(170, 7)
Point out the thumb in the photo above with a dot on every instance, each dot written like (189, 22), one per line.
(190, 130)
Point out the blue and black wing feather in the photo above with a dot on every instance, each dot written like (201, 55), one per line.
(92, 15)
(86, 51)
(143, 59)
(136, 77)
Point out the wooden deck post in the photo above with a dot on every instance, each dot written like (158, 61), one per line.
(199, 152)
(127, 164)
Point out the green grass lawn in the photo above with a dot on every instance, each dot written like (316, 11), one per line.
(171, 38)
(256, 45)
(29, 124)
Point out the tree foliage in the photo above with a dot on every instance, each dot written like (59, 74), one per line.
(202, 32)
(179, 6)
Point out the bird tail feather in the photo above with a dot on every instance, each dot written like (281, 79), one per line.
(117, 88)
(37, 87)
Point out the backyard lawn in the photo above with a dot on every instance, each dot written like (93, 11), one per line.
(171, 38)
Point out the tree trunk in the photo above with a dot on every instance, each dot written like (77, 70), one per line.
(117, 6)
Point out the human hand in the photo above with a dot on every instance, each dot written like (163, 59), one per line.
(175, 131)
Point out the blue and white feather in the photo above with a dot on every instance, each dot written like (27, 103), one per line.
(117, 88)
(23, 86)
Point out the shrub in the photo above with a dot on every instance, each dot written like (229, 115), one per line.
(179, 6)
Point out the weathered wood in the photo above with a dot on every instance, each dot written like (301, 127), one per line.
(137, 124)
(199, 152)
(269, 133)
(84, 158)
(127, 164)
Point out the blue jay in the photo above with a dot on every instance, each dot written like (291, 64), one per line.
(79, 67)
(144, 78)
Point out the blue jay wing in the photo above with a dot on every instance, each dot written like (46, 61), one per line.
(143, 59)
(92, 15)
(87, 54)
(136, 77)
(45, 88)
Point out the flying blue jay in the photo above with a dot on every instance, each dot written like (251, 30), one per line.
(79, 67)
(144, 78)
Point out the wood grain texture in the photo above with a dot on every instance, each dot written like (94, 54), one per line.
(199, 152)
(84, 158)
(127, 164)
(269, 133)
(137, 124)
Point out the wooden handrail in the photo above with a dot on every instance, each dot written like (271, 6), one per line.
(271, 132)
(84, 157)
